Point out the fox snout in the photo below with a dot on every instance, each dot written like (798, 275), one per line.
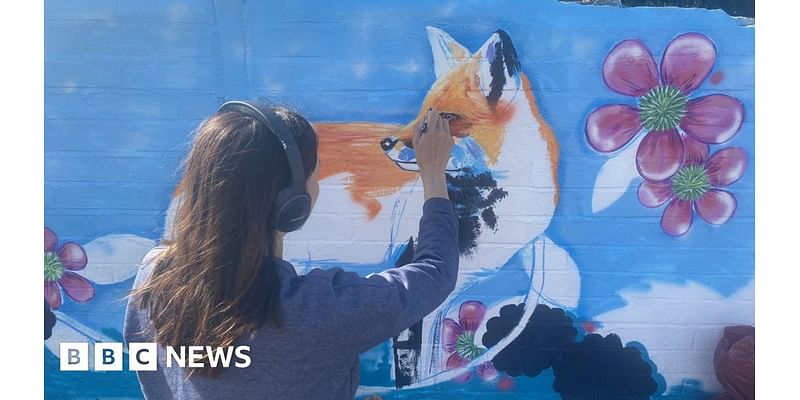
(399, 147)
(459, 128)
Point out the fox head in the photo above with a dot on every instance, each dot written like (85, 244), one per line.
(476, 90)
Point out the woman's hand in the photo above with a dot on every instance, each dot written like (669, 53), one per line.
(432, 149)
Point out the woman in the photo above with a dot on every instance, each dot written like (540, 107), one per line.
(220, 280)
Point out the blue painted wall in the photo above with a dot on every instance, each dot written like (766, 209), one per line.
(127, 82)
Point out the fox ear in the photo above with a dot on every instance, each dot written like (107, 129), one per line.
(447, 53)
(499, 68)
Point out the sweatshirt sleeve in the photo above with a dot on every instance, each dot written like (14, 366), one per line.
(362, 312)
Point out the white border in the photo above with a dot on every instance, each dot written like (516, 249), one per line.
(776, 176)
(22, 39)
(776, 166)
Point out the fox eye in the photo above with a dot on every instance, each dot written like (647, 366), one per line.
(449, 115)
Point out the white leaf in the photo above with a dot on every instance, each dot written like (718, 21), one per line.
(615, 176)
(115, 258)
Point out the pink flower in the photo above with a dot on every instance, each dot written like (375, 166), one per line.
(695, 186)
(665, 112)
(59, 267)
(459, 341)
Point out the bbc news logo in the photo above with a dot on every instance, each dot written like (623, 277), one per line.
(144, 356)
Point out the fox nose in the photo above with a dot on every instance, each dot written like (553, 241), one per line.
(389, 143)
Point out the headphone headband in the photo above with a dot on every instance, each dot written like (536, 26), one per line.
(278, 128)
(292, 205)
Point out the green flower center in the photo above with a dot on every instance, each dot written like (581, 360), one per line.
(662, 108)
(690, 182)
(465, 346)
(53, 268)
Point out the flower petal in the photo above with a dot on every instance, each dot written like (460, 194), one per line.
(50, 240)
(677, 217)
(716, 206)
(713, 119)
(451, 330)
(654, 194)
(612, 126)
(726, 166)
(659, 155)
(694, 152)
(78, 288)
(52, 294)
(487, 372)
(456, 361)
(471, 314)
(72, 256)
(630, 69)
(687, 61)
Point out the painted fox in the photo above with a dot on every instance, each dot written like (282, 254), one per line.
(365, 167)
(502, 180)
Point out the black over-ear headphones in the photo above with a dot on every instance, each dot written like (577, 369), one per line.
(292, 206)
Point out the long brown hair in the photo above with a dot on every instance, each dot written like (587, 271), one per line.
(217, 279)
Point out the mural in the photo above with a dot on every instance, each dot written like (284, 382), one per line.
(672, 158)
(583, 274)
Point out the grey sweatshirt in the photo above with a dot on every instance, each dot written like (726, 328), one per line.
(330, 317)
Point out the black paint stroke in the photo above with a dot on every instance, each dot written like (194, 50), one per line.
(545, 335)
(49, 320)
(505, 60)
(596, 368)
(601, 368)
(406, 352)
(474, 197)
(497, 70)
(509, 53)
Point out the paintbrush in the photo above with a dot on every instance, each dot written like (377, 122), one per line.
(447, 116)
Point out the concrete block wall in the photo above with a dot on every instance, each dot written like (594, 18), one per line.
(127, 82)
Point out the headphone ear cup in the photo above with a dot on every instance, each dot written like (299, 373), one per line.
(291, 210)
